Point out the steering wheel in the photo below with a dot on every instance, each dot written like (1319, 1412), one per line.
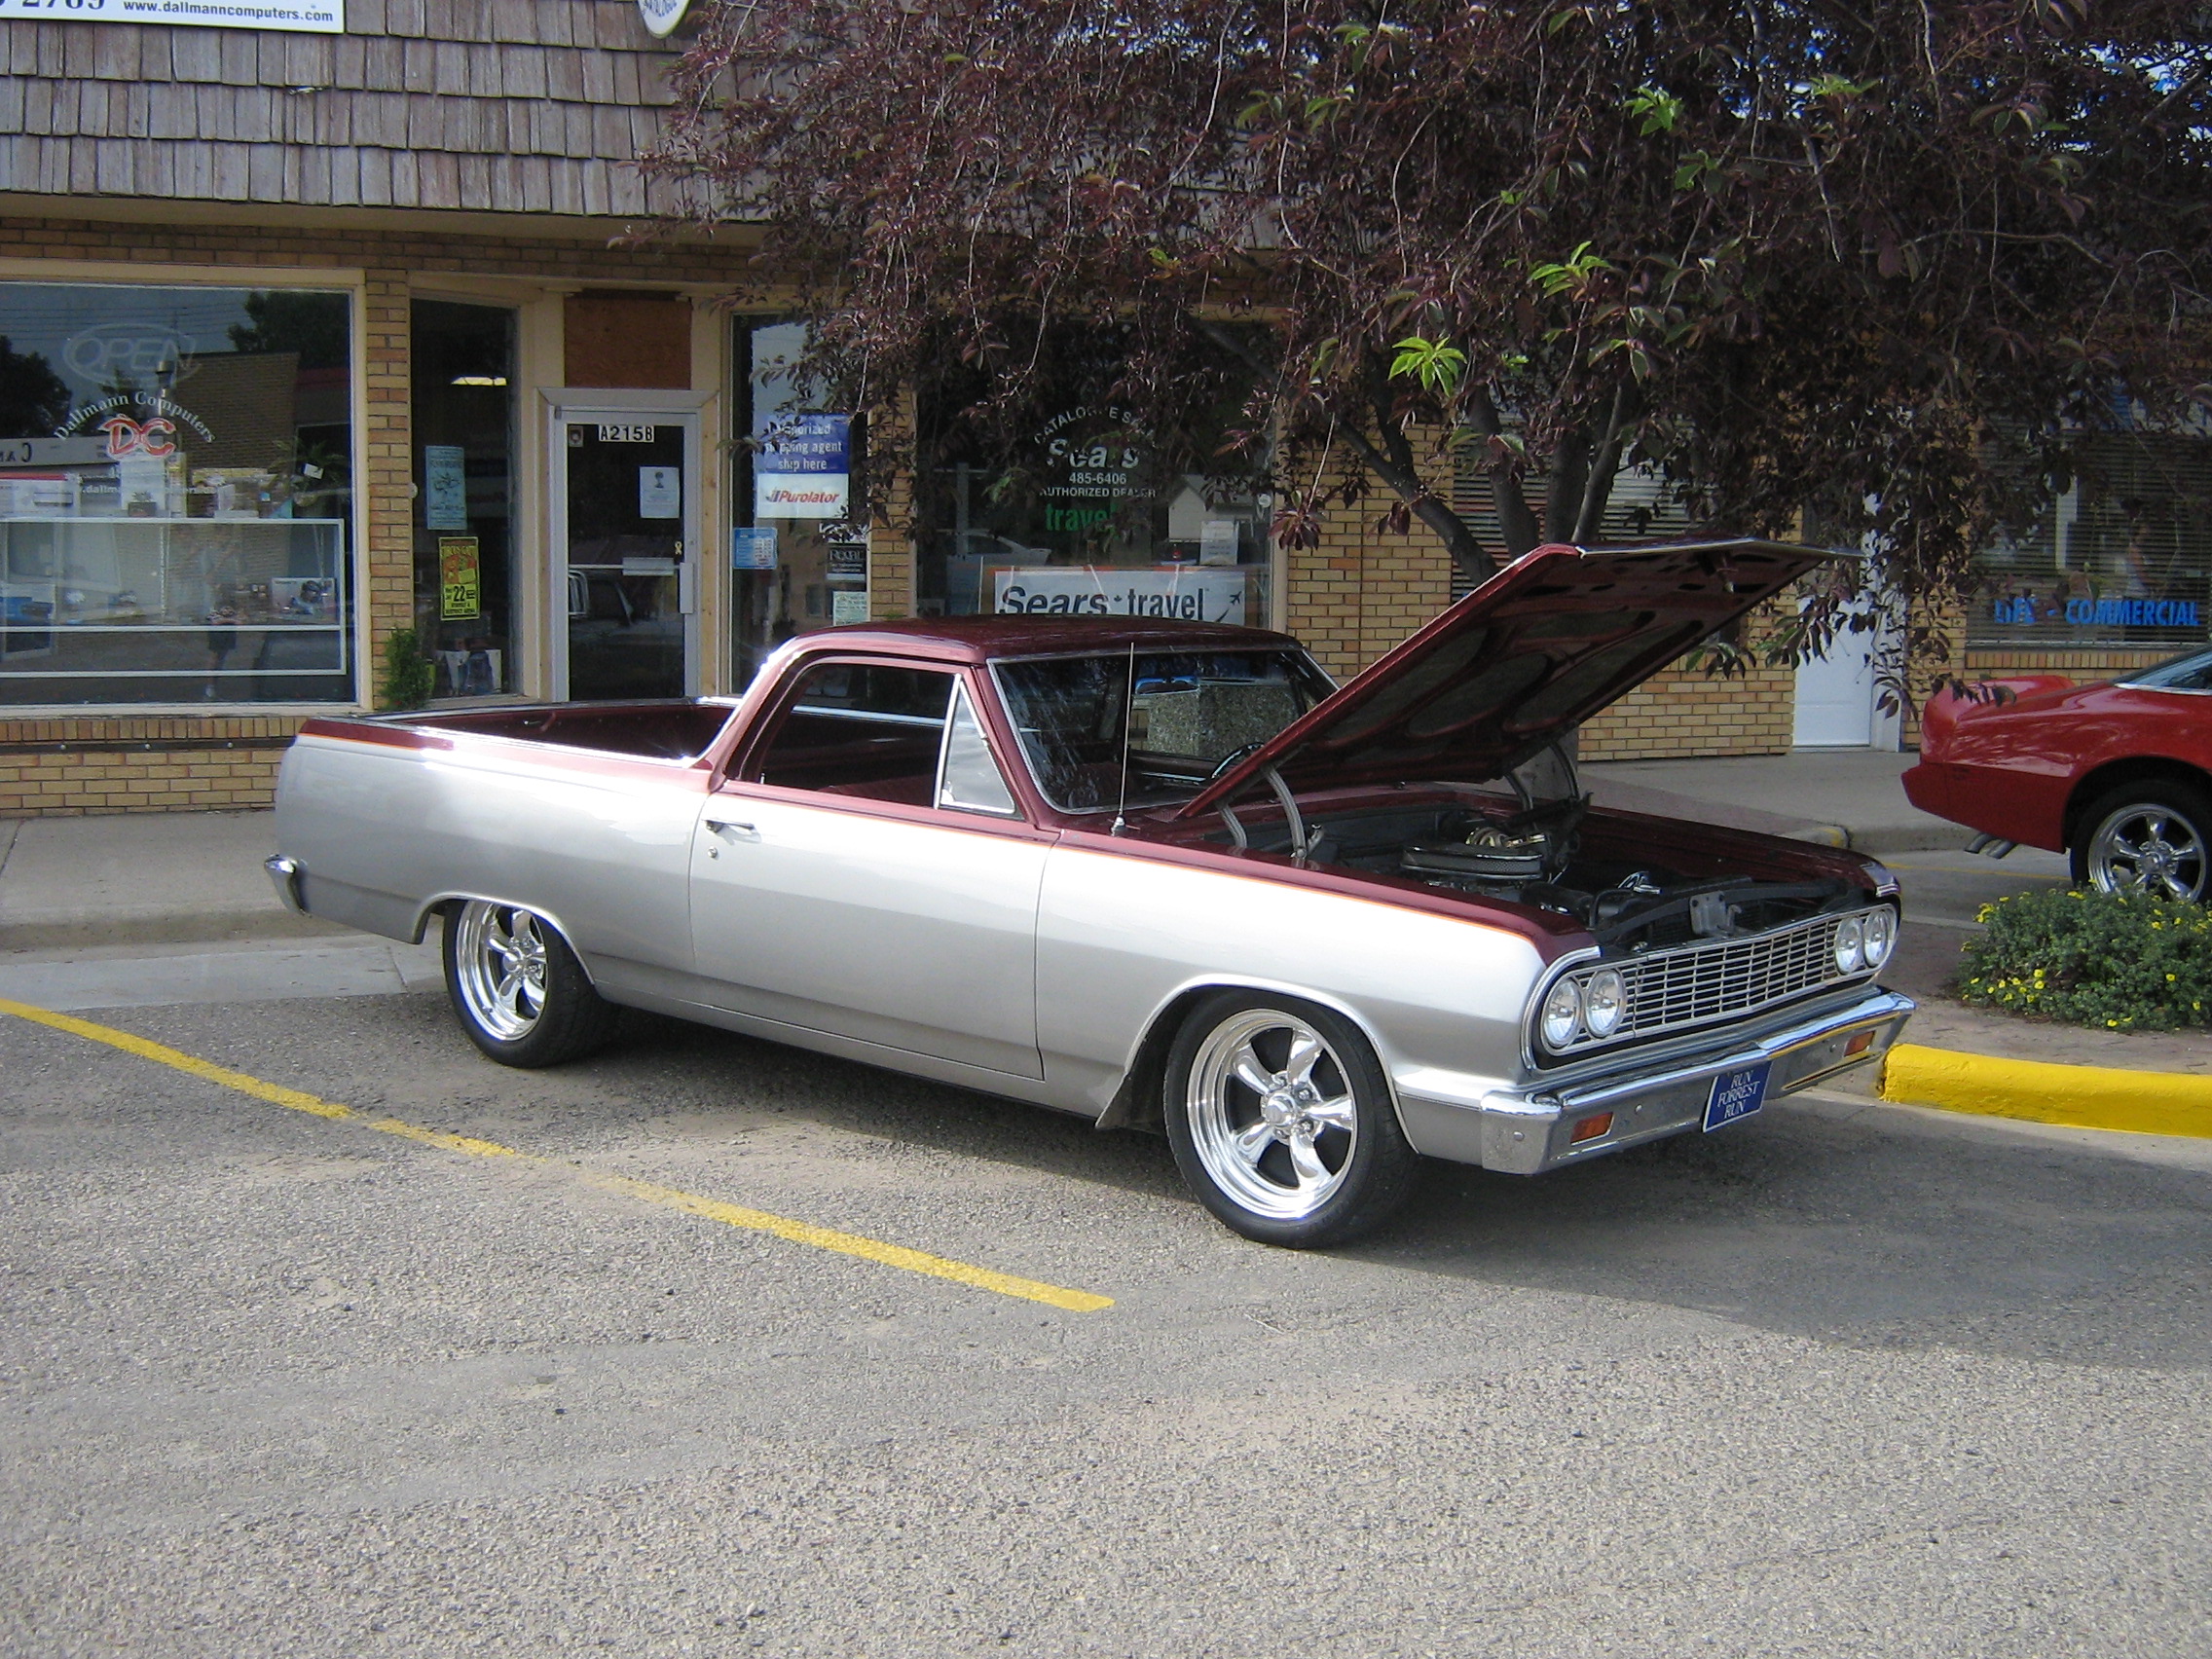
(1233, 756)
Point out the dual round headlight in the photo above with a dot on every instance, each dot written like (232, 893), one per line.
(1864, 942)
(1593, 1006)
(1605, 1002)
(1563, 1014)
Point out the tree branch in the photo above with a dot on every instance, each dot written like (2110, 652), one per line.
(1518, 524)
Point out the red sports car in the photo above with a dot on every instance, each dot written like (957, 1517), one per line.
(2118, 774)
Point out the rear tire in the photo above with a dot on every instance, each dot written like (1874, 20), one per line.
(518, 990)
(2154, 837)
(1282, 1122)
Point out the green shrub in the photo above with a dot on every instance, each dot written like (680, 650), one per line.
(2125, 963)
(409, 677)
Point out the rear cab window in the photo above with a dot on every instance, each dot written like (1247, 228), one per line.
(878, 731)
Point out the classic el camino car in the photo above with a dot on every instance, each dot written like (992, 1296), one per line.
(1160, 874)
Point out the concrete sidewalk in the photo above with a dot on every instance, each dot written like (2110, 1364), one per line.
(142, 879)
(1847, 797)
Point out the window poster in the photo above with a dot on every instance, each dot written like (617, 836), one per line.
(660, 492)
(804, 468)
(461, 579)
(444, 487)
(752, 547)
(847, 547)
(848, 605)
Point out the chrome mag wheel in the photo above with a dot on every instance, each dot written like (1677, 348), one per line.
(1272, 1113)
(2148, 847)
(501, 968)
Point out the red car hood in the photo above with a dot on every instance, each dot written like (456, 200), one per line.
(1520, 662)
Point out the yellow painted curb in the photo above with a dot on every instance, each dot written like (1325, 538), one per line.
(2085, 1097)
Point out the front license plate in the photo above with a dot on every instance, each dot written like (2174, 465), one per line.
(1736, 1094)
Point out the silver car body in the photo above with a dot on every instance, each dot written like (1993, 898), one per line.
(1044, 960)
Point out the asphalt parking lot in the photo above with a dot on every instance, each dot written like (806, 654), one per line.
(1847, 1380)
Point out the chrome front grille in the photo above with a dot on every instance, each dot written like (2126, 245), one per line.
(1716, 979)
(1694, 983)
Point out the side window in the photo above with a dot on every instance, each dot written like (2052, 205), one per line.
(864, 729)
(971, 782)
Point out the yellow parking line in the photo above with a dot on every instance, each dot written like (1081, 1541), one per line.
(645, 1191)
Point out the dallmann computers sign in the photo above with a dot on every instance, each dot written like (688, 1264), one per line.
(302, 16)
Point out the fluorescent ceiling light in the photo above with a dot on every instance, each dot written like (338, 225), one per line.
(480, 379)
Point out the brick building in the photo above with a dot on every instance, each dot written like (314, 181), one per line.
(314, 334)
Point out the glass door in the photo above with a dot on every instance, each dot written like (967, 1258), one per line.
(627, 542)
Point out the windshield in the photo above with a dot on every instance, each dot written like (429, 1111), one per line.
(2192, 672)
(1188, 712)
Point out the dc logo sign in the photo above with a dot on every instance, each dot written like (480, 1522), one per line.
(662, 16)
(155, 438)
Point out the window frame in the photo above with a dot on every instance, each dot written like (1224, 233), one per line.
(352, 283)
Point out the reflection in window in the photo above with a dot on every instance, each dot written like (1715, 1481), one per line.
(175, 495)
(973, 781)
(2123, 558)
(1083, 510)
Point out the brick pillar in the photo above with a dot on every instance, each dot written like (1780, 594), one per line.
(387, 469)
(891, 536)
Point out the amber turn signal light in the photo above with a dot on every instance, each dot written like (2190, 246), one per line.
(1590, 1128)
(1860, 1041)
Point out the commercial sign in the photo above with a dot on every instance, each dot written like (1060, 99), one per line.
(1192, 593)
(2086, 612)
(299, 16)
(461, 579)
(804, 468)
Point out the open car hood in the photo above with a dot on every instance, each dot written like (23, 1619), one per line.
(1519, 663)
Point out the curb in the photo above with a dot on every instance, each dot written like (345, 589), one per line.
(2082, 1097)
(213, 926)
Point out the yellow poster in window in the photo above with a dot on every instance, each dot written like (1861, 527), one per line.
(461, 579)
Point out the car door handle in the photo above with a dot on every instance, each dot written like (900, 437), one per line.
(731, 831)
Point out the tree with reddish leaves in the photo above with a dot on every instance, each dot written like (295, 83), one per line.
(1877, 268)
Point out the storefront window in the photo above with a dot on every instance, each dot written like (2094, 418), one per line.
(798, 544)
(2123, 559)
(465, 417)
(175, 495)
(1087, 514)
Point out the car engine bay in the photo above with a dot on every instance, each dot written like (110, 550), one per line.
(1545, 854)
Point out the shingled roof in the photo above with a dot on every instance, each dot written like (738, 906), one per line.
(514, 106)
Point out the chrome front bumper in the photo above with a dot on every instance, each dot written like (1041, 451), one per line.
(1527, 1130)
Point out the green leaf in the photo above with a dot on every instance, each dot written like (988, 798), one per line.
(1437, 364)
(1656, 110)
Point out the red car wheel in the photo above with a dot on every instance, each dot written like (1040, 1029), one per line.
(2150, 838)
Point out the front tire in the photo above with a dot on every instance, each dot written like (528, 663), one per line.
(1282, 1121)
(520, 993)
(2154, 839)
